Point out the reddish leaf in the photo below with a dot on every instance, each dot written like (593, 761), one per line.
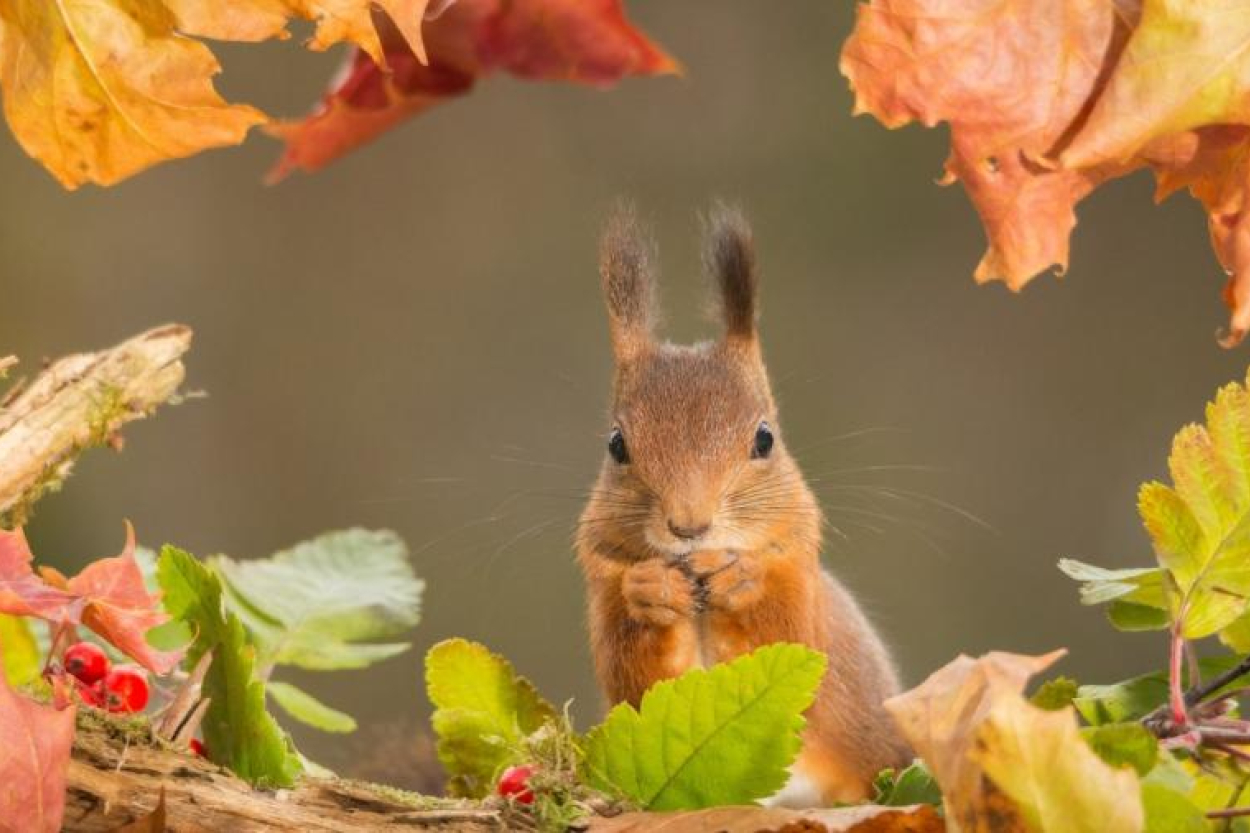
(119, 608)
(583, 41)
(22, 593)
(35, 744)
(108, 596)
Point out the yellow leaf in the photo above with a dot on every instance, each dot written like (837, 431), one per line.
(1186, 65)
(337, 20)
(98, 90)
(1006, 765)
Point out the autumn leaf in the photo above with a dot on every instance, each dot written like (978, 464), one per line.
(1005, 764)
(35, 744)
(108, 597)
(1010, 78)
(22, 593)
(583, 41)
(118, 607)
(99, 90)
(1049, 99)
(337, 20)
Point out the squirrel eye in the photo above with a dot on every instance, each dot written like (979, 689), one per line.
(616, 447)
(763, 442)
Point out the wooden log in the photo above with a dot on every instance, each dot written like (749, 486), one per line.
(76, 403)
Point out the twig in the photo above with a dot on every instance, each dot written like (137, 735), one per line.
(1200, 693)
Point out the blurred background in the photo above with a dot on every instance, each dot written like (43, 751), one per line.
(413, 338)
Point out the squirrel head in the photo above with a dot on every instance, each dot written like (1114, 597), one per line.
(694, 457)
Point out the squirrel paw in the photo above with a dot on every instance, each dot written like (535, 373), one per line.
(657, 593)
(730, 580)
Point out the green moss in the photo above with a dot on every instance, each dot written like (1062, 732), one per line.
(108, 409)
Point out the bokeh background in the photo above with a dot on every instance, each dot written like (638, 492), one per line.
(413, 339)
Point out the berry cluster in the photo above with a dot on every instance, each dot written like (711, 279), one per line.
(121, 690)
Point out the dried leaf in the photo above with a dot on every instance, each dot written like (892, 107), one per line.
(1006, 765)
(108, 596)
(1048, 99)
(584, 41)
(1010, 78)
(22, 593)
(153, 822)
(337, 20)
(35, 744)
(118, 607)
(97, 91)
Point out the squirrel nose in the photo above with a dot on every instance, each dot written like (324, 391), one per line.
(688, 532)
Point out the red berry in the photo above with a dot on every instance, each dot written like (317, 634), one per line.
(87, 662)
(515, 784)
(126, 689)
(198, 747)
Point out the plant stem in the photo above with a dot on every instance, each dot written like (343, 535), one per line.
(1178, 700)
(1199, 694)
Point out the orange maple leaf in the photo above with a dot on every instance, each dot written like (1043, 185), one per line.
(583, 41)
(1048, 99)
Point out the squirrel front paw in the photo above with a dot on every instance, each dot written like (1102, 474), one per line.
(657, 593)
(728, 580)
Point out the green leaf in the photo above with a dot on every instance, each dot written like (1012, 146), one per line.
(1168, 811)
(20, 651)
(1135, 698)
(239, 732)
(1124, 744)
(725, 735)
(305, 708)
(1143, 585)
(1131, 616)
(323, 604)
(1055, 694)
(913, 785)
(483, 711)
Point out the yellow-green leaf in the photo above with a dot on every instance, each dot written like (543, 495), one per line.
(483, 710)
(19, 650)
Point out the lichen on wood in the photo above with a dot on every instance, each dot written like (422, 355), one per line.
(80, 402)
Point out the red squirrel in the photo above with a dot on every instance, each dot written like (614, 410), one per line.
(701, 540)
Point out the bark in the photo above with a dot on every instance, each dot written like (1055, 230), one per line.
(114, 781)
(76, 403)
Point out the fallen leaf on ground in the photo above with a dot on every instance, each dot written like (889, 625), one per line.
(1006, 765)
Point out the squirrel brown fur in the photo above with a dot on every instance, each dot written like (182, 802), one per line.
(701, 540)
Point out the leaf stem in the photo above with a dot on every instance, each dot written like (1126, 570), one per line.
(1178, 700)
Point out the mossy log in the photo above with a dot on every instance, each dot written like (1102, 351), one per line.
(117, 777)
(78, 402)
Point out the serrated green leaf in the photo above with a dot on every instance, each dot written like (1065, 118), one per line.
(1055, 694)
(20, 651)
(324, 604)
(1237, 634)
(239, 732)
(1143, 585)
(1124, 744)
(725, 735)
(483, 711)
(1168, 811)
(912, 785)
(305, 708)
(1137, 697)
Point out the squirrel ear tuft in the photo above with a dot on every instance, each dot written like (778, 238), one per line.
(626, 265)
(729, 258)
